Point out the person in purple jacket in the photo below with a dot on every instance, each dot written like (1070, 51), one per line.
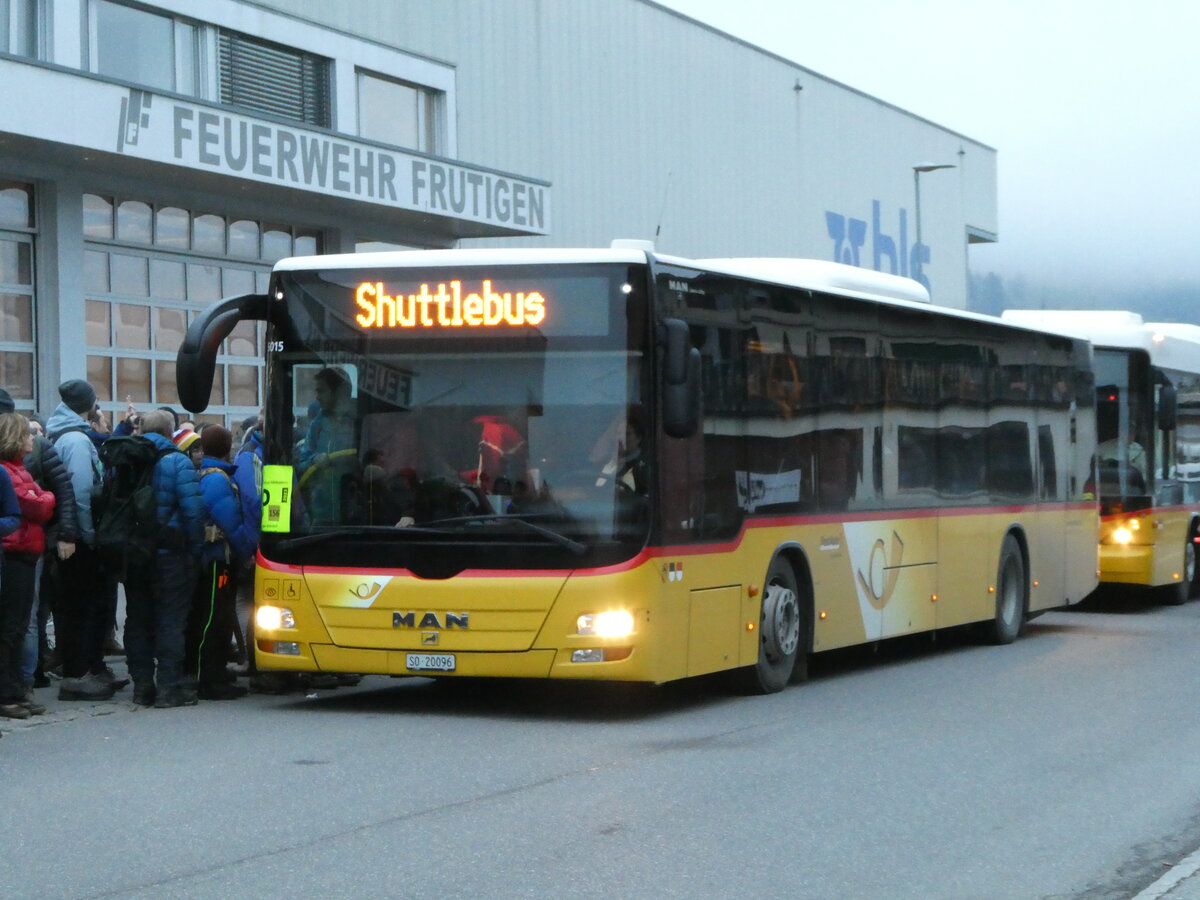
(228, 543)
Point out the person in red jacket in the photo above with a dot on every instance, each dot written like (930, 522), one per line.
(22, 549)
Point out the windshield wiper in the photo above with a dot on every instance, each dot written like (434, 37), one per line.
(561, 539)
(358, 531)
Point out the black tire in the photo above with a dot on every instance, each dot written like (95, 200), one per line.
(1012, 594)
(782, 634)
(1179, 593)
(1191, 562)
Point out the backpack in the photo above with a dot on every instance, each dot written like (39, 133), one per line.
(127, 529)
(212, 531)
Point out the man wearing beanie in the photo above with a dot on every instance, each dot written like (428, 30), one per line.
(228, 543)
(81, 616)
(158, 597)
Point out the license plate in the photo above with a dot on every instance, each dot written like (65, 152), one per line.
(430, 662)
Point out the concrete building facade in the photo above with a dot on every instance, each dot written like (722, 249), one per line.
(157, 156)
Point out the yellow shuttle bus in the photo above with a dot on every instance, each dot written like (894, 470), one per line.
(614, 464)
(1148, 458)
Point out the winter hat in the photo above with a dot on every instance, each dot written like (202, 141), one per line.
(184, 438)
(6, 402)
(216, 441)
(79, 396)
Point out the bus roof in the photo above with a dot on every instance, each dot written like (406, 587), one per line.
(810, 274)
(1171, 345)
(813, 274)
(478, 256)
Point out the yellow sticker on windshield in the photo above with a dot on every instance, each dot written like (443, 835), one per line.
(278, 483)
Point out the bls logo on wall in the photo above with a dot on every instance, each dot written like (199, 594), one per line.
(850, 244)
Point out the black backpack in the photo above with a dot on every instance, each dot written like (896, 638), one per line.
(127, 528)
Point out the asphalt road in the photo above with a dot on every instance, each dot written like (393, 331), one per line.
(1062, 766)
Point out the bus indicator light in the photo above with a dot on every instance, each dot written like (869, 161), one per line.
(447, 307)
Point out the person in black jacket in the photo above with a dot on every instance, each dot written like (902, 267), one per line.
(62, 531)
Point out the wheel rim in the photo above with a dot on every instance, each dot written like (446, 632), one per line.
(781, 621)
(1189, 561)
(1010, 593)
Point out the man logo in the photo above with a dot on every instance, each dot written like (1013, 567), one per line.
(429, 638)
(430, 620)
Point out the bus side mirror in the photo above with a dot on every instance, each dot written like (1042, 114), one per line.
(1167, 407)
(196, 360)
(681, 380)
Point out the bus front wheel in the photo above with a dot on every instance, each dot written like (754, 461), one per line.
(1179, 593)
(1012, 591)
(782, 658)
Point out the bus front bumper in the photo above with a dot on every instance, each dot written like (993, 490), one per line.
(1126, 564)
(544, 663)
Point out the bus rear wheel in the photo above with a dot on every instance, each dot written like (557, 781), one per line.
(1012, 593)
(782, 658)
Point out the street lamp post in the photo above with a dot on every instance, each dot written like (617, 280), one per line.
(917, 170)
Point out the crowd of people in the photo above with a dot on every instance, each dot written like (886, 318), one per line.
(186, 608)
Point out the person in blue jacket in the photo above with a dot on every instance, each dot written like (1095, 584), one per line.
(247, 476)
(228, 543)
(157, 602)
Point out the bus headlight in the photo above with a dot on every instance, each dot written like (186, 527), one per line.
(270, 618)
(612, 624)
(1122, 535)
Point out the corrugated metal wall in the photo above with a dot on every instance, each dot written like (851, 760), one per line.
(644, 120)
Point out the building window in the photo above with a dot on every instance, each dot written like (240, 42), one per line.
(273, 79)
(398, 113)
(143, 47)
(17, 347)
(148, 270)
(20, 22)
(16, 204)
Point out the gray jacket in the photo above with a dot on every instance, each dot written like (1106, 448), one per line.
(68, 430)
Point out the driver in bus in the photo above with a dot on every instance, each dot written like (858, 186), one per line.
(329, 448)
(1116, 452)
(620, 449)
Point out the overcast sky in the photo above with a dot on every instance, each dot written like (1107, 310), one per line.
(1092, 105)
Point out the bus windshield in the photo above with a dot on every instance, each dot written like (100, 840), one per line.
(1124, 425)
(424, 405)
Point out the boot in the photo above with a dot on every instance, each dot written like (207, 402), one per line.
(109, 677)
(144, 693)
(221, 690)
(89, 687)
(175, 695)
